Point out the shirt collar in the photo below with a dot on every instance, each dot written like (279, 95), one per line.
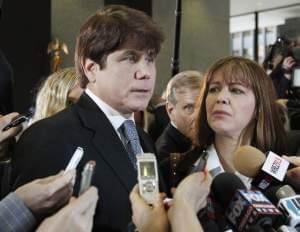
(115, 117)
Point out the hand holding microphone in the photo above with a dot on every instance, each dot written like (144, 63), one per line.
(294, 172)
(266, 170)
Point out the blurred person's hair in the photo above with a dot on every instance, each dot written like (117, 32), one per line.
(282, 46)
(268, 132)
(183, 81)
(113, 28)
(52, 96)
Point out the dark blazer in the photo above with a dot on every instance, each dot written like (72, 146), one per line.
(47, 146)
(171, 141)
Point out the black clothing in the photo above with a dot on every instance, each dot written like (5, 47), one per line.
(171, 141)
(47, 146)
(161, 120)
(6, 86)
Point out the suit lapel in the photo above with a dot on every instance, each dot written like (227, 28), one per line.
(107, 142)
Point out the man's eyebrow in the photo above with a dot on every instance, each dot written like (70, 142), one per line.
(130, 52)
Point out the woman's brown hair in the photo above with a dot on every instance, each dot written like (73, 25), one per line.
(268, 133)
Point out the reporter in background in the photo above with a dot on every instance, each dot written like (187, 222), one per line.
(280, 62)
(58, 91)
(182, 93)
(189, 197)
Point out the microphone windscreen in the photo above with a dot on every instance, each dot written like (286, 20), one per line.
(285, 191)
(270, 193)
(248, 160)
(224, 187)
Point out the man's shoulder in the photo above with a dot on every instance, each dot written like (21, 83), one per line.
(60, 120)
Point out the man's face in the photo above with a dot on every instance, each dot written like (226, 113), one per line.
(182, 113)
(127, 81)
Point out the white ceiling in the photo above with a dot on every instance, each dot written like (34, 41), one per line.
(245, 6)
(266, 19)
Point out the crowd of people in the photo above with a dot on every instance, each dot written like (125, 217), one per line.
(211, 115)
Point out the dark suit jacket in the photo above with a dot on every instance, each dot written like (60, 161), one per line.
(46, 148)
(171, 141)
(6, 86)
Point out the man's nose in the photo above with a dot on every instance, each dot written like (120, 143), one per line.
(143, 71)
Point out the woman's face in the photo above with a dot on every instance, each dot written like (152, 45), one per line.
(230, 106)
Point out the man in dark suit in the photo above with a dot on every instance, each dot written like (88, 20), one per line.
(182, 93)
(115, 56)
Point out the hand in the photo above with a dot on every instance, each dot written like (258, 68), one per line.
(4, 121)
(288, 63)
(189, 197)
(48, 194)
(148, 218)
(294, 172)
(193, 190)
(77, 216)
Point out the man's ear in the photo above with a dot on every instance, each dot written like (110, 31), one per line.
(90, 69)
(169, 108)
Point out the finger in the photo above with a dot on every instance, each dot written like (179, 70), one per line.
(294, 173)
(173, 190)
(6, 119)
(60, 181)
(87, 202)
(135, 198)
(292, 159)
(159, 200)
(10, 132)
(59, 198)
(134, 192)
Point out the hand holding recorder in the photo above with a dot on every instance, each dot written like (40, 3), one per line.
(43, 196)
(77, 216)
(6, 132)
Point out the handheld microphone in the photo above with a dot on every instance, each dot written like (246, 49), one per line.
(288, 203)
(245, 208)
(266, 170)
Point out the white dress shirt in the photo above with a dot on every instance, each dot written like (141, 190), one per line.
(215, 167)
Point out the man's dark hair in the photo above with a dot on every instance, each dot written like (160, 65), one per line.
(112, 28)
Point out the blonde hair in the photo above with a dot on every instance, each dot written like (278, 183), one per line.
(52, 96)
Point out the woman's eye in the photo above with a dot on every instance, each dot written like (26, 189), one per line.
(237, 91)
(213, 89)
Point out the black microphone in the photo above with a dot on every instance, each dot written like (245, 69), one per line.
(245, 208)
(288, 202)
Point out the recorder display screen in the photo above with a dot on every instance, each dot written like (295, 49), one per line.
(147, 169)
(296, 78)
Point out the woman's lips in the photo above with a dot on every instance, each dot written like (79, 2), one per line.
(221, 113)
